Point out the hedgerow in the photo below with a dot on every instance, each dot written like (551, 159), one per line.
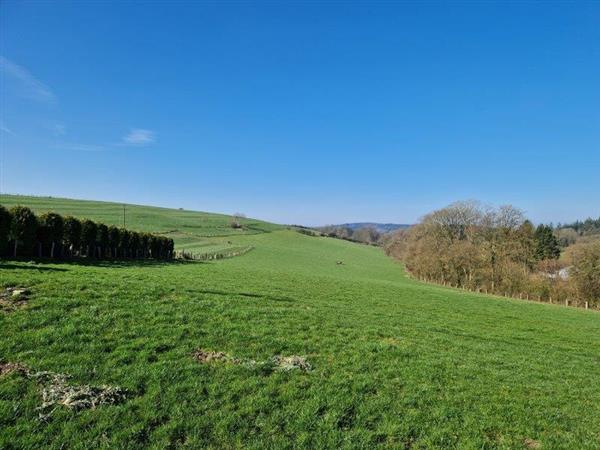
(22, 233)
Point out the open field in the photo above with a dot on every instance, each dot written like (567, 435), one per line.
(395, 362)
(193, 231)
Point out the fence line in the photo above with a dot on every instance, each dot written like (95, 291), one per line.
(210, 256)
(478, 290)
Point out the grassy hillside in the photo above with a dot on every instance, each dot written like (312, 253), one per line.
(395, 363)
(193, 231)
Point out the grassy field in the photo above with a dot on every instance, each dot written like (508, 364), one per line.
(193, 231)
(395, 363)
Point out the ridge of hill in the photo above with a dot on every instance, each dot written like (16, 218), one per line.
(380, 227)
(192, 231)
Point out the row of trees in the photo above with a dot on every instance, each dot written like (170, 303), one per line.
(496, 250)
(577, 232)
(366, 235)
(586, 227)
(22, 233)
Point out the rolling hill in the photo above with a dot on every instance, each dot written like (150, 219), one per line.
(193, 231)
(380, 227)
(393, 362)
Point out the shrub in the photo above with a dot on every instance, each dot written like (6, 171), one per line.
(102, 240)
(236, 220)
(54, 225)
(23, 229)
(171, 248)
(89, 231)
(134, 244)
(546, 244)
(586, 272)
(154, 246)
(5, 221)
(125, 236)
(114, 240)
(42, 237)
(145, 244)
(72, 234)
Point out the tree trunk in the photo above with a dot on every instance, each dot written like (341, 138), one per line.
(15, 249)
(52, 250)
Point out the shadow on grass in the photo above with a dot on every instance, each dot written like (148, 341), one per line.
(30, 267)
(38, 263)
(245, 294)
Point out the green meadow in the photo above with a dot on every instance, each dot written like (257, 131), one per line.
(395, 363)
(193, 231)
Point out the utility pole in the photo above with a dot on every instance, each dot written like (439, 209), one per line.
(123, 215)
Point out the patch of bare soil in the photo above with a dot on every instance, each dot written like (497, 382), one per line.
(207, 356)
(532, 443)
(9, 367)
(57, 391)
(12, 298)
(284, 363)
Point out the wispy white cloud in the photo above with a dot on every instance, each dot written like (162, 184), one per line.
(5, 129)
(80, 147)
(135, 138)
(29, 86)
(139, 137)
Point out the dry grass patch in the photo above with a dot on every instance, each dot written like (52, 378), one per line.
(278, 362)
(9, 367)
(208, 356)
(12, 298)
(57, 391)
(294, 362)
(532, 443)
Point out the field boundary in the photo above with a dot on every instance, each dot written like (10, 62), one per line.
(524, 297)
(209, 256)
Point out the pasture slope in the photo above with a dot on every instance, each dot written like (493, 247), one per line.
(395, 363)
(192, 231)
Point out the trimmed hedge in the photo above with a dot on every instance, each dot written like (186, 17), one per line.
(22, 233)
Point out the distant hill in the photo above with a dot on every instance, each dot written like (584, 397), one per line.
(380, 227)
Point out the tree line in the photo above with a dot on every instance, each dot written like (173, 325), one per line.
(365, 235)
(22, 233)
(578, 231)
(585, 227)
(497, 250)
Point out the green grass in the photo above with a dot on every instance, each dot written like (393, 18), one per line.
(396, 363)
(192, 231)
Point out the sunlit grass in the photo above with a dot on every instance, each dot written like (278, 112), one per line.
(395, 362)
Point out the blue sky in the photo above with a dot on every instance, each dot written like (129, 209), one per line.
(304, 112)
